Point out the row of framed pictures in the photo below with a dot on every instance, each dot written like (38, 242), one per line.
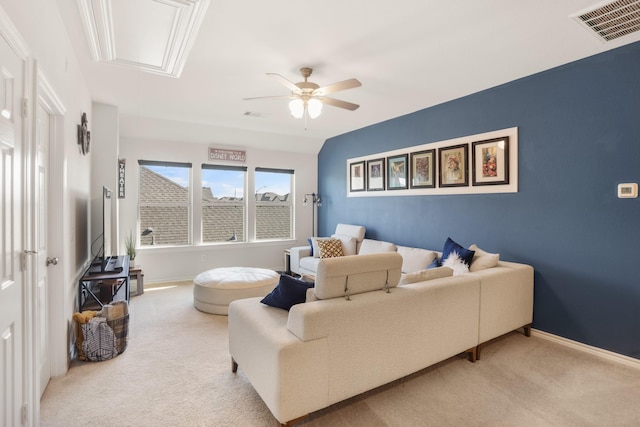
(448, 165)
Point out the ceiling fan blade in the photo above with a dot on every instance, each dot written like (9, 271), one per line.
(270, 97)
(335, 87)
(289, 84)
(337, 103)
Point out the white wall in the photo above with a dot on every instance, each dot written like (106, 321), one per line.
(104, 171)
(161, 264)
(39, 23)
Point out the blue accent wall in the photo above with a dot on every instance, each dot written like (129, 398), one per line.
(579, 137)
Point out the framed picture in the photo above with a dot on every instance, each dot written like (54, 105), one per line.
(454, 170)
(491, 161)
(397, 172)
(375, 175)
(356, 176)
(423, 169)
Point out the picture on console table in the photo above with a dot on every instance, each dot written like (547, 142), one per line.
(375, 175)
(491, 161)
(356, 176)
(454, 171)
(423, 169)
(397, 172)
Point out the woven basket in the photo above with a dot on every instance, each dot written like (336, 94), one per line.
(121, 331)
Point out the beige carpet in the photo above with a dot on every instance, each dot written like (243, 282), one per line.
(176, 371)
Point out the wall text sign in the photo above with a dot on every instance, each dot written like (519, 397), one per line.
(228, 155)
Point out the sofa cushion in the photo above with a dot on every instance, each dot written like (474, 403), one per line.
(330, 248)
(415, 259)
(482, 260)
(287, 293)
(349, 243)
(310, 245)
(309, 263)
(369, 246)
(450, 247)
(356, 231)
(337, 277)
(423, 275)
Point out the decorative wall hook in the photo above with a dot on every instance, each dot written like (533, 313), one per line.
(84, 135)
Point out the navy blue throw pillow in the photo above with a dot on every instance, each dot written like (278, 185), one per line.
(310, 245)
(450, 246)
(434, 264)
(289, 292)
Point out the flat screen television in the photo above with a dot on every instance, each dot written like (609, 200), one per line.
(104, 251)
(106, 222)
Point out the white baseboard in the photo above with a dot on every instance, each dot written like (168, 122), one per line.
(605, 354)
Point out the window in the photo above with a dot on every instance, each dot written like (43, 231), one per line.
(223, 203)
(164, 208)
(274, 205)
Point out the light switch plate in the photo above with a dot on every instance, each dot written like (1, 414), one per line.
(628, 190)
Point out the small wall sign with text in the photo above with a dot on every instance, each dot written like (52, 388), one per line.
(121, 176)
(227, 155)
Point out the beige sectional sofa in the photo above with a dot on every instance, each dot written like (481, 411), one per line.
(359, 330)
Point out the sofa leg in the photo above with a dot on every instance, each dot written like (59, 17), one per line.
(478, 350)
(472, 352)
(234, 365)
(527, 330)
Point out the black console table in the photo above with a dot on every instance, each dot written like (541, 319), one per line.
(98, 288)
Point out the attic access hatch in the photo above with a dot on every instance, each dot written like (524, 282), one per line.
(611, 20)
(154, 36)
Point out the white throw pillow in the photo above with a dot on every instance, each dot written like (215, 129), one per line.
(482, 260)
(415, 259)
(456, 263)
(369, 246)
(348, 243)
(423, 275)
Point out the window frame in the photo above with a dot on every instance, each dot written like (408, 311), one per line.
(245, 216)
(289, 202)
(188, 204)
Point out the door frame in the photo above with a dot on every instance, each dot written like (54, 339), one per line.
(45, 95)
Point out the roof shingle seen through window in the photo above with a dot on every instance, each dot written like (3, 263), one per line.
(221, 218)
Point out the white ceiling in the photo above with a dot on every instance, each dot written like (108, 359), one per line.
(408, 54)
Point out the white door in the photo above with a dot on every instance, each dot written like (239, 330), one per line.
(42, 138)
(11, 255)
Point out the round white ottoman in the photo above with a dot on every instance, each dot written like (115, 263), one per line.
(213, 290)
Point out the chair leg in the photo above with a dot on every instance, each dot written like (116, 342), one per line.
(234, 365)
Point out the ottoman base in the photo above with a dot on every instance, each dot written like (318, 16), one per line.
(213, 290)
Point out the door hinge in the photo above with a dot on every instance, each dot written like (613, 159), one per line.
(25, 108)
(24, 255)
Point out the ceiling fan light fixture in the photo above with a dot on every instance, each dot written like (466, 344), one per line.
(296, 107)
(314, 108)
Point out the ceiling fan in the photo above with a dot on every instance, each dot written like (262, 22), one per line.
(308, 97)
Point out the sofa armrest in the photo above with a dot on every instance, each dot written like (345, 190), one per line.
(291, 376)
(506, 299)
(297, 253)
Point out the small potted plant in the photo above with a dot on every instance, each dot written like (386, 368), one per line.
(130, 244)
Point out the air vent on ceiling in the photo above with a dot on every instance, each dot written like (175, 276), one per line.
(255, 114)
(612, 19)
